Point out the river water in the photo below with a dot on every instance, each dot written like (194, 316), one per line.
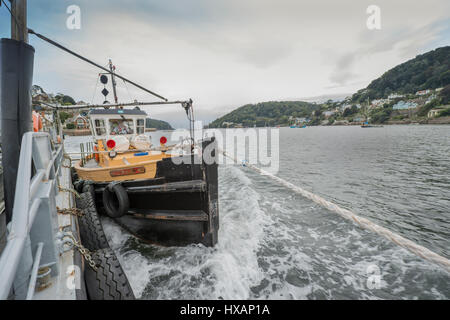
(275, 244)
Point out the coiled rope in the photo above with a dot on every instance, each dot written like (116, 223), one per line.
(362, 222)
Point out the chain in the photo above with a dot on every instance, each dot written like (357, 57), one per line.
(73, 211)
(84, 251)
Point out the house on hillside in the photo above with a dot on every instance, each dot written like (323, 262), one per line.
(40, 97)
(378, 103)
(434, 112)
(328, 114)
(395, 96)
(431, 97)
(80, 121)
(345, 106)
(402, 105)
(227, 124)
(423, 92)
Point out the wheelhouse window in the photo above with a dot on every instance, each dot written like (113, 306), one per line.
(100, 129)
(119, 126)
(140, 126)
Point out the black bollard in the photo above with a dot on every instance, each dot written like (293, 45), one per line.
(16, 80)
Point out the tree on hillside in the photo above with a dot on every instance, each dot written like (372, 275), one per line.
(430, 70)
(349, 111)
(444, 95)
(64, 116)
(157, 124)
(64, 99)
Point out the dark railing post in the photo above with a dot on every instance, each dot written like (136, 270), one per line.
(16, 80)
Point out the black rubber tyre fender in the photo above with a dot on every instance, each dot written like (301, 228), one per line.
(78, 185)
(74, 174)
(91, 231)
(115, 201)
(109, 282)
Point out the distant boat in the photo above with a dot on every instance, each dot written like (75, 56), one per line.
(367, 125)
(303, 126)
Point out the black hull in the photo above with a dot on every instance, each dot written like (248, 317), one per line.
(176, 208)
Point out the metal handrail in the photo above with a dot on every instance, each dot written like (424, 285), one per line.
(27, 204)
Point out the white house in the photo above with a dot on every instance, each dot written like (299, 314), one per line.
(402, 105)
(395, 95)
(433, 113)
(422, 92)
(328, 114)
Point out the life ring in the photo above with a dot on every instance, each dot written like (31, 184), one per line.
(115, 200)
(37, 122)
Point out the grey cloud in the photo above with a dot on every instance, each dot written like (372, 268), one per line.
(342, 72)
(407, 40)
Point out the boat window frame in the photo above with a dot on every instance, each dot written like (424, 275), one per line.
(130, 124)
(137, 126)
(131, 118)
(104, 127)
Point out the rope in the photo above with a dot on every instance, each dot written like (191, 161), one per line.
(362, 222)
(54, 43)
(128, 91)
(69, 190)
(95, 90)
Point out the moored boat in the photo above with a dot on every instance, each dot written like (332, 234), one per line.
(367, 125)
(161, 194)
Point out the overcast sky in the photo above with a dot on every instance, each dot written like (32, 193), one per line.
(227, 53)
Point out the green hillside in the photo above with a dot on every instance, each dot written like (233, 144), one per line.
(266, 113)
(158, 124)
(430, 70)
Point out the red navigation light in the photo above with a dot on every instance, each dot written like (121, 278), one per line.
(163, 140)
(110, 144)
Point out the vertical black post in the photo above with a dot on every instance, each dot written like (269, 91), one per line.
(2, 215)
(211, 201)
(16, 80)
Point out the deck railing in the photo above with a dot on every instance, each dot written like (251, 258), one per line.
(34, 220)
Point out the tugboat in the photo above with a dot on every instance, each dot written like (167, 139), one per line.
(158, 194)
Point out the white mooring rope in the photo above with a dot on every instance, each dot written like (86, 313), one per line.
(363, 222)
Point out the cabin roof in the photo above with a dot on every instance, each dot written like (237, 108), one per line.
(117, 111)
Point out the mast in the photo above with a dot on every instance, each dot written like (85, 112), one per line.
(19, 29)
(113, 80)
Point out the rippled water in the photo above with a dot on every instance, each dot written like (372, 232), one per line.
(276, 244)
